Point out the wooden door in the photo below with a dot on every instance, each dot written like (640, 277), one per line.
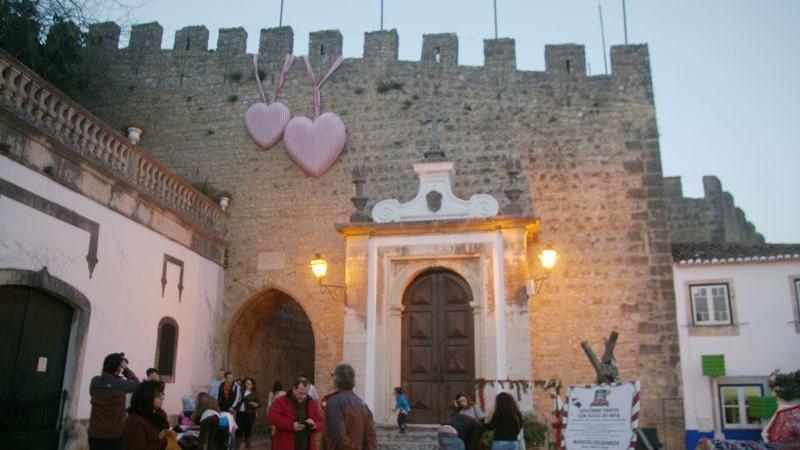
(33, 355)
(438, 344)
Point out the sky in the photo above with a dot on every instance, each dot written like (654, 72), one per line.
(725, 72)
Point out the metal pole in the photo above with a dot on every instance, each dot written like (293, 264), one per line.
(625, 21)
(603, 37)
(495, 19)
(280, 19)
(381, 15)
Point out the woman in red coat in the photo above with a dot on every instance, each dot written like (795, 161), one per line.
(296, 419)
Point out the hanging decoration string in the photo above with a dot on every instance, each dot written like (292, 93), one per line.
(318, 84)
(287, 64)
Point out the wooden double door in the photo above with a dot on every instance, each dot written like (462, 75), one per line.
(438, 344)
(33, 355)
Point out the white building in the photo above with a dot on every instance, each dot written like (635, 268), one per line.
(741, 302)
(102, 250)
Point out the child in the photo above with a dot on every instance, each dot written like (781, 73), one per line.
(401, 405)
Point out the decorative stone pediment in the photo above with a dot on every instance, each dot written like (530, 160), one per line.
(435, 199)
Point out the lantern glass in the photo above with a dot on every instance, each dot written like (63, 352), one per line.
(548, 258)
(319, 267)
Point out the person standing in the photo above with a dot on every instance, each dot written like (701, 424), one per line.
(465, 406)
(296, 419)
(246, 413)
(206, 415)
(348, 420)
(152, 374)
(228, 394)
(213, 389)
(402, 407)
(506, 422)
(147, 427)
(107, 393)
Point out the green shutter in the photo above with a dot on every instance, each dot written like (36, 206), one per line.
(714, 365)
(762, 407)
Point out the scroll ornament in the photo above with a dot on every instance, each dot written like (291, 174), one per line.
(266, 122)
(315, 145)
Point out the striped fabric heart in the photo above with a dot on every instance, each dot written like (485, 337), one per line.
(315, 146)
(265, 123)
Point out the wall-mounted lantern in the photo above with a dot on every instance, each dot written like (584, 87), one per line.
(548, 258)
(319, 267)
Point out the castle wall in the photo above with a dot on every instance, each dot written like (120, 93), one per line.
(589, 149)
(714, 218)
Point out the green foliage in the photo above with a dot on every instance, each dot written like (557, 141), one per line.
(385, 86)
(535, 433)
(44, 36)
(786, 385)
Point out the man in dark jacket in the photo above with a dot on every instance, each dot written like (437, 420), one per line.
(229, 394)
(107, 392)
(348, 420)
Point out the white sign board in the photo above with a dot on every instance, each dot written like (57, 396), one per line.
(602, 417)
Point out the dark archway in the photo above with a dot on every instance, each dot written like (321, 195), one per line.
(272, 339)
(438, 343)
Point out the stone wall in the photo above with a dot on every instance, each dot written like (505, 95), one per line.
(715, 218)
(589, 149)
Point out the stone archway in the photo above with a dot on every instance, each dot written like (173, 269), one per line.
(272, 339)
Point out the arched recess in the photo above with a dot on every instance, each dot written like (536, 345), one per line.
(438, 343)
(78, 313)
(271, 339)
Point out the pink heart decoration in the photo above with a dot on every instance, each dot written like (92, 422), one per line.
(314, 146)
(265, 123)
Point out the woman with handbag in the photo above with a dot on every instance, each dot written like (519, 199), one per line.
(506, 423)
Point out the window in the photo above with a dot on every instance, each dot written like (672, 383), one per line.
(710, 304)
(167, 348)
(734, 408)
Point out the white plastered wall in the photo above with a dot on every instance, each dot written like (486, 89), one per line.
(124, 290)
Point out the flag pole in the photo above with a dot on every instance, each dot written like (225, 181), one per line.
(625, 21)
(603, 37)
(495, 19)
(280, 18)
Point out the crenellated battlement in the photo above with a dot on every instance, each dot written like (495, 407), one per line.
(380, 47)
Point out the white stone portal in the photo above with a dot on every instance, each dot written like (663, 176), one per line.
(435, 199)
(384, 259)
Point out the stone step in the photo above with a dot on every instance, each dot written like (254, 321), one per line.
(415, 438)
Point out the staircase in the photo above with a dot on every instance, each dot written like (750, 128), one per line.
(416, 437)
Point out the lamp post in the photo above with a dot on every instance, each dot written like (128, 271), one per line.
(548, 258)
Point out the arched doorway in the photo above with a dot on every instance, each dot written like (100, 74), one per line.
(438, 343)
(272, 339)
(33, 357)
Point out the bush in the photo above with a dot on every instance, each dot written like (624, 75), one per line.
(786, 385)
(535, 433)
(389, 85)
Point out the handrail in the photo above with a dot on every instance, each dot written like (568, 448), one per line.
(26, 94)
